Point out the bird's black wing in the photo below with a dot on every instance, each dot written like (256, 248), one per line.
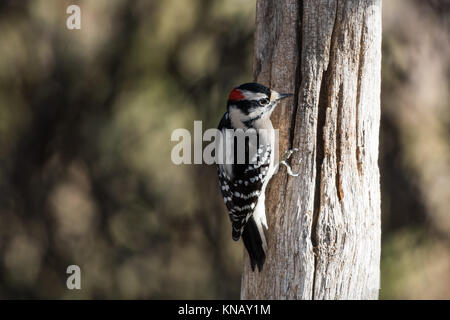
(241, 184)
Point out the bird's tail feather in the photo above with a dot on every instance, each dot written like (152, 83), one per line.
(255, 243)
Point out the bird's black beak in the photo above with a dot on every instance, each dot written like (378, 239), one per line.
(284, 95)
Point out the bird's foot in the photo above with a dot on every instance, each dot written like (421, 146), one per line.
(284, 159)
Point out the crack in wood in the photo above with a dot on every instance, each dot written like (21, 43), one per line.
(340, 107)
(297, 85)
(323, 104)
(361, 62)
(298, 75)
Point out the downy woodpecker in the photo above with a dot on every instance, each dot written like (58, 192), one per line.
(247, 167)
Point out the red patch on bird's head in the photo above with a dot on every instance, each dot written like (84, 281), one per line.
(235, 95)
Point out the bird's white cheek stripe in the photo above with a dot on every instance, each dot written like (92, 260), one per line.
(253, 95)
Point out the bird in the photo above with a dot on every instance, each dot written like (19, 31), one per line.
(246, 163)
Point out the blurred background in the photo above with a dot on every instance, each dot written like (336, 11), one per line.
(85, 123)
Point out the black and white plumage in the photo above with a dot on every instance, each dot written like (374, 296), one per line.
(246, 168)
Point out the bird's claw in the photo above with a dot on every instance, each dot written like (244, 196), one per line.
(286, 157)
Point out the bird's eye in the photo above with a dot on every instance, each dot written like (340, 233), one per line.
(263, 101)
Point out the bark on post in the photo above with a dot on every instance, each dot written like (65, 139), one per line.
(324, 226)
